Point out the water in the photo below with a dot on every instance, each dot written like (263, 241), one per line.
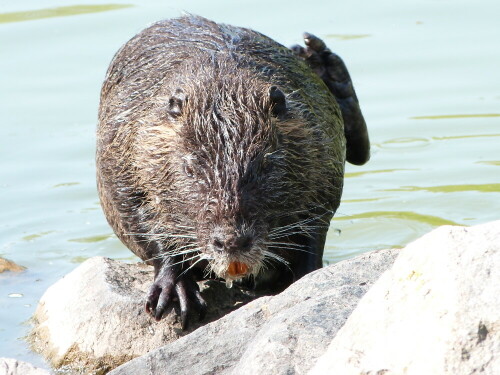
(426, 74)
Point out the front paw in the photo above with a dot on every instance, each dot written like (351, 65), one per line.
(168, 289)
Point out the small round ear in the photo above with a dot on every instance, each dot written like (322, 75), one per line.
(175, 103)
(278, 101)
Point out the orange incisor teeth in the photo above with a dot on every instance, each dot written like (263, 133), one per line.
(237, 269)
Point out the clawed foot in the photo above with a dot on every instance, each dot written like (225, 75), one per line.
(335, 75)
(168, 289)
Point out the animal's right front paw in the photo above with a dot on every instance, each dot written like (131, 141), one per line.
(167, 289)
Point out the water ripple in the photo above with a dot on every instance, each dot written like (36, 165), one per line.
(400, 215)
(482, 188)
(72, 10)
(442, 117)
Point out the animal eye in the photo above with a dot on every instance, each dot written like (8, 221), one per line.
(176, 103)
(278, 101)
(188, 166)
(188, 170)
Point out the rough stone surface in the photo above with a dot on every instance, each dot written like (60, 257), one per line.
(437, 311)
(9, 366)
(93, 319)
(8, 265)
(283, 334)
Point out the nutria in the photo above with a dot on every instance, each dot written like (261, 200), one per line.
(220, 153)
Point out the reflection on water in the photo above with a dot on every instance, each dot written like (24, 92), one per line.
(401, 215)
(360, 200)
(441, 117)
(406, 140)
(72, 10)
(482, 188)
(78, 260)
(35, 236)
(346, 36)
(403, 142)
(15, 295)
(465, 136)
(66, 184)
(91, 239)
(489, 162)
(362, 173)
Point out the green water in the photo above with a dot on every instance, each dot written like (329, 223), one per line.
(427, 75)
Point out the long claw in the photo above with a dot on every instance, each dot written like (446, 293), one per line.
(152, 299)
(183, 304)
(163, 302)
(167, 288)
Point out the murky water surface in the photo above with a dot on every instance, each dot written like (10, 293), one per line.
(427, 75)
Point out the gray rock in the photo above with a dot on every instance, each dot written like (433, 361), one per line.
(437, 311)
(283, 334)
(93, 319)
(9, 366)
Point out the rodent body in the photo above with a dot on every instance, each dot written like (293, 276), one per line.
(221, 152)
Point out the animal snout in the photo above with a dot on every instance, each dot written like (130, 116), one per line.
(232, 244)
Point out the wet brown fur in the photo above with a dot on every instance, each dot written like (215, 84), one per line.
(227, 165)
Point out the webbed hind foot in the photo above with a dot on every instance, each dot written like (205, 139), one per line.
(335, 75)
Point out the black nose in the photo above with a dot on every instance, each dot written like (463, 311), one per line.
(244, 242)
(232, 244)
